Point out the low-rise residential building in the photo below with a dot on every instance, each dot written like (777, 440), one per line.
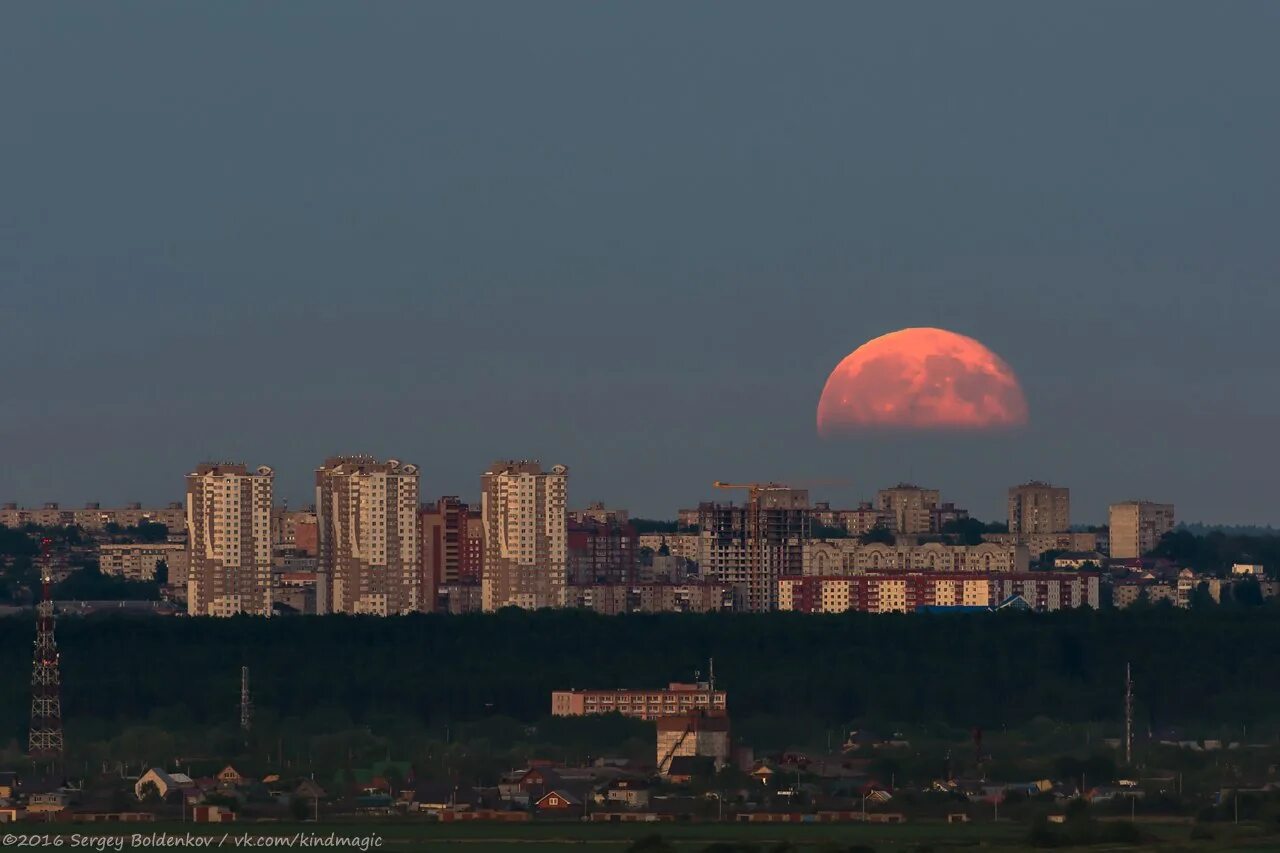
(165, 784)
(1038, 544)
(1126, 592)
(850, 556)
(93, 517)
(676, 698)
(904, 592)
(1158, 592)
(656, 597)
(1078, 560)
(137, 561)
(856, 522)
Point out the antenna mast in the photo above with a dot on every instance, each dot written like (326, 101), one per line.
(246, 705)
(1128, 715)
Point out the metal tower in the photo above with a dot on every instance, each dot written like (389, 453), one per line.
(45, 739)
(246, 705)
(1128, 716)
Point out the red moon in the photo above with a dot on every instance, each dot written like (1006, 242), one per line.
(921, 378)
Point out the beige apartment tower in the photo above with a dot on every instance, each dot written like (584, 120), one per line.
(525, 535)
(1037, 507)
(229, 540)
(370, 554)
(1136, 527)
(910, 508)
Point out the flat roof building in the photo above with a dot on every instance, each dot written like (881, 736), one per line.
(1037, 507)
(675, 698)
(1136, 527)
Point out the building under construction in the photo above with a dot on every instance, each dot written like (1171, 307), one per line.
(698, 734)
(751, 546)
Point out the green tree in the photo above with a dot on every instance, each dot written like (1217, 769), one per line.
(1201, 598)
(881, 535)
(1247, 593)
(965, 531)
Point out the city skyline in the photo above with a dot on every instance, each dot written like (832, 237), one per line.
(429, 494)
(636, 241)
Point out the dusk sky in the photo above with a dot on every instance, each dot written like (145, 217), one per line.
(635, 239)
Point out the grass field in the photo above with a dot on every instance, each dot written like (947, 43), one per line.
(545, 837)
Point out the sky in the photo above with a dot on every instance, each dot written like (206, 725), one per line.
(635, 239)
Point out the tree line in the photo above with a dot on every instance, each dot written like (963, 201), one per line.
(986, 670)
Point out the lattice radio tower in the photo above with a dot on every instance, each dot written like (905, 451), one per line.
(45, 739)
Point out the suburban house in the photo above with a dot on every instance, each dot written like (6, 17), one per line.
(166, 784)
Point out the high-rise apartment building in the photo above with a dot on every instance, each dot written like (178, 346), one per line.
(525, 535)
(1037, 507)
(909, 508)
(229, 540)
(370, 556)
(444, 547)
(1136, 527)
(751, 546)
(603, 552)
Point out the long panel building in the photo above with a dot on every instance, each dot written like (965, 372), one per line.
(906, 592)
(676, 698)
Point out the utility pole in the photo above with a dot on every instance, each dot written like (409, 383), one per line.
(1128, 716)
(246, 705)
